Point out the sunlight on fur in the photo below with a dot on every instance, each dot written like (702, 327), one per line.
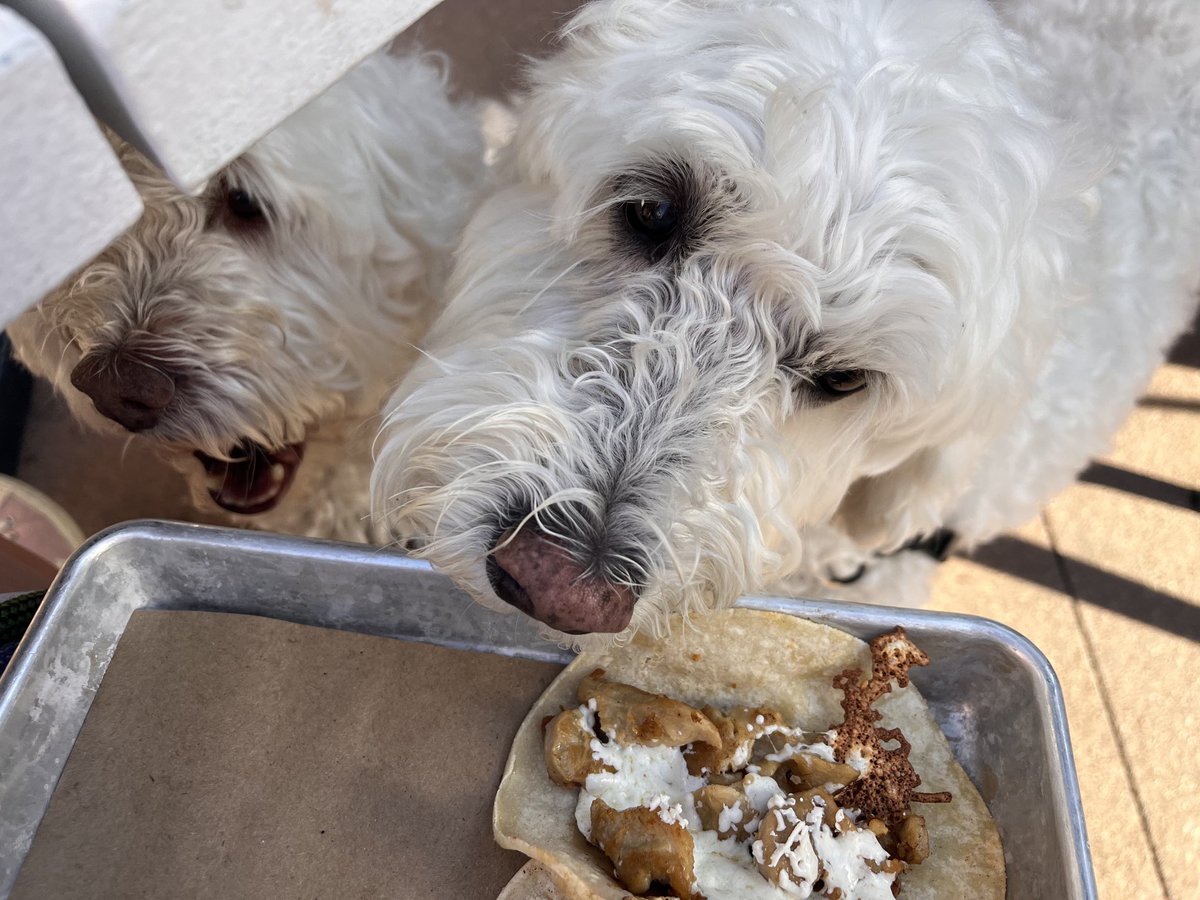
(771, 288)
(281, 304)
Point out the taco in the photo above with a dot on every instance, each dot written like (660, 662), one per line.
(748, 756)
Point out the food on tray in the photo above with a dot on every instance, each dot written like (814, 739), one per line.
(716, 763)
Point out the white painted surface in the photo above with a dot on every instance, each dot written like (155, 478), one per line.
(193, 83)
(63, 195)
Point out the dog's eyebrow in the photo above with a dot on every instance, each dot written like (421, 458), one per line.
(807, 350)
(671, 178)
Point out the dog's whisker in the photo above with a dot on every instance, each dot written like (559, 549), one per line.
(538, 296)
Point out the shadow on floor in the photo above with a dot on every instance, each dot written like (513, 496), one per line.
(1152, 402)
(1091, 585)
(1186, 351)
(1141, 485)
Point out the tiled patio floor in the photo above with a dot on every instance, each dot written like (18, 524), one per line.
(1107, 583)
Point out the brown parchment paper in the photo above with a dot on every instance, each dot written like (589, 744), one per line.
(240, 757)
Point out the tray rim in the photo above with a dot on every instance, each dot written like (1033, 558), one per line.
(835, 613)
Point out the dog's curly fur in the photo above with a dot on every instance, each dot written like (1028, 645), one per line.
(991, 212)
(294, 325)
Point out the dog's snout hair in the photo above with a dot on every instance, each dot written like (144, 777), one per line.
(645, 428)
(775, 287)
(632, 443)
(196, 305)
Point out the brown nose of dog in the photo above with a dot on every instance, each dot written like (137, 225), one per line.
(536, 575)
(129, 392)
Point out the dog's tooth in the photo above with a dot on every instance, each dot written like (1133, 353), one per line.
(278, 472)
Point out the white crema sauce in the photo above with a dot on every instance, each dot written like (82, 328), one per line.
(657, 778)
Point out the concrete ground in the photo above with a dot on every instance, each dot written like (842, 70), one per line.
(1106, 581)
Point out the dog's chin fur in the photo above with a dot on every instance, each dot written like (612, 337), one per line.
(993, 213)
(296, 326)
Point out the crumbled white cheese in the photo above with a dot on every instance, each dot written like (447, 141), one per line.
(671, 813)
(729, 818)
(759, 791)
(791, 888)
(821, 750)
(844, 857)
(796, 849)
(657, 778)
(858, 762)
(810, 847)
(793, 848)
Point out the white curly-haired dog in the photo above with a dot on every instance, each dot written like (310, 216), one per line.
(263, 322)
(783, 292)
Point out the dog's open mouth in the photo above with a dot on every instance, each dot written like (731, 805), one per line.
(253, 479)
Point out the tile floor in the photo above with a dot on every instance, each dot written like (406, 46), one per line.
(1106, 581)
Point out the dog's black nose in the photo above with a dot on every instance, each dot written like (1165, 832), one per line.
(131, 393)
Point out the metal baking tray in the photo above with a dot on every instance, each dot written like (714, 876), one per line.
(991, 690)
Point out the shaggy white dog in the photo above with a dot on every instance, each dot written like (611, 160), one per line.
(264, 321)
(779, 287)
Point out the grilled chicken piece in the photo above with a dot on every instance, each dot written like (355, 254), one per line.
(645, 849)
(634, 716)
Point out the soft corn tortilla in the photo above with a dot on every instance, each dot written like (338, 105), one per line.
(750, 658)
(533, 882)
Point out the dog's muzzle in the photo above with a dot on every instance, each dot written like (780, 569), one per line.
(534, 573)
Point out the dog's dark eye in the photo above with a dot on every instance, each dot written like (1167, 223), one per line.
(654, 221)
(242, 205)
(842, 382)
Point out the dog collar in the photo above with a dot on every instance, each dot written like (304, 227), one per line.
(937, 544)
